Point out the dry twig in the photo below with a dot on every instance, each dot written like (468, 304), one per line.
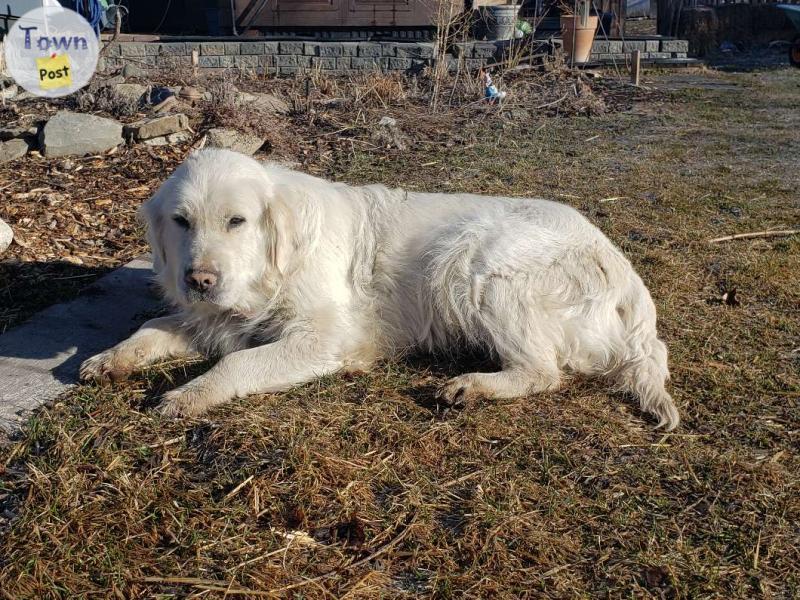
(755, 234)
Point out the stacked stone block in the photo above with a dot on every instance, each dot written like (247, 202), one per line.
(292, 56)
(607, 51)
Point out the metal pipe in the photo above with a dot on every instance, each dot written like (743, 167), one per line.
(233, 19)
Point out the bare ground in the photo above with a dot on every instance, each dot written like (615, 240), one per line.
(363, 487)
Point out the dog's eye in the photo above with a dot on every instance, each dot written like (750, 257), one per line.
(235, 221)
(182, 221)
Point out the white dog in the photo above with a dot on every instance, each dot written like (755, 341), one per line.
(288, 277)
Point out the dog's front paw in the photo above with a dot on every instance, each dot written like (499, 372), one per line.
(189, 400)
(103, 368)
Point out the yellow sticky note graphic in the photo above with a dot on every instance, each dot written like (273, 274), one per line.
(54, 71)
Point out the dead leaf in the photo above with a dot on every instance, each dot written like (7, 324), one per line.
(350, 532)
(656, 577)
(295, 517)
(20, 241)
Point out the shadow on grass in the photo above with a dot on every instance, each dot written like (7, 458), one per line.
(76, 315)
(422, 375)
(28, 287)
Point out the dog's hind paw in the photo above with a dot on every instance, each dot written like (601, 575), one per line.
(102, 368)
(459, 391)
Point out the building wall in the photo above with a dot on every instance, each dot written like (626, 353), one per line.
(334, 13)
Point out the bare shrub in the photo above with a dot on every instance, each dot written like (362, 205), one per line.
(176, 74)
(224, 97)
(227, 108)
(377, 89)
(370, 89)
(105, 99)
(452, 26)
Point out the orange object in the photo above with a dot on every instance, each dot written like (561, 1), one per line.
(578, 37)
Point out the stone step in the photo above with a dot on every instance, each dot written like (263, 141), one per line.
(39, 359)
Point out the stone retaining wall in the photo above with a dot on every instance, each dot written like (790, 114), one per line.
(652, 50)
(289, 57)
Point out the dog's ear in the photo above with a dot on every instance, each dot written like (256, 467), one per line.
(282, 232)
(151, 215)
(293, 222)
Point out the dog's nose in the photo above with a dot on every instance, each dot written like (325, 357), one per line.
(200, 280)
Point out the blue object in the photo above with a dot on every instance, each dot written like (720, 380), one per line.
(93, 11)
(492, 93)
(159, 94)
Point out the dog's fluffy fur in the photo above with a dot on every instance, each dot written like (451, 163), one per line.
(322, 277)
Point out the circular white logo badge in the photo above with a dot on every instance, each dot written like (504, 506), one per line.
(51, 51)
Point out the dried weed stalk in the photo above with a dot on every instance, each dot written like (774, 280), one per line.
(106, 100)
(452, 26)
(227, 107)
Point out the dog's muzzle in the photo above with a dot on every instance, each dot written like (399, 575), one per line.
(201, 284)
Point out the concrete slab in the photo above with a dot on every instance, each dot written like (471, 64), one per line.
(39, 360)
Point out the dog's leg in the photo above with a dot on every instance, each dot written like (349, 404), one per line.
(517, 331)
(291, 361)
(509, 383)
(157, 339)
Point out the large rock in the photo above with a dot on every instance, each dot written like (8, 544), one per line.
(18, 131)
(264, 102)
(130, 70)
(173, 138)
(12, 150)
(246, 143)
(6, 235)
(132, 92)
(160, 126)
(69, 133)
(389, 135)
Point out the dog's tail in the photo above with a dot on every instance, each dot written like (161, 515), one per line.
(643, 371)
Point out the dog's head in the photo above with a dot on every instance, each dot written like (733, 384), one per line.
(223, 230)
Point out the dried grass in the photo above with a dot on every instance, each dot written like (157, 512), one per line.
(227, 108)
(362, 487)
(104, 100)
